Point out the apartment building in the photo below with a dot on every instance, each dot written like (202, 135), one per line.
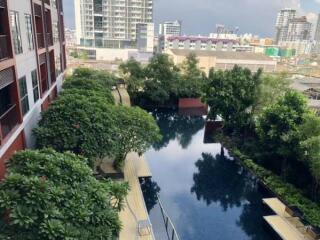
(32, 62)
(166, 30)
(110, 23)
(283, 19)
(205, 43)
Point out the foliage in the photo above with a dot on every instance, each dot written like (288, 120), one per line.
(291, 195)
(232, 94)
(85, 126)
(191, 81)
(105, 78)
(134, 76)
(278, 125)
(137, 132)
(272, 87)
(162, 76)
(49, 195)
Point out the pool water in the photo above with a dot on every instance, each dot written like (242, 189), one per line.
(206, 193)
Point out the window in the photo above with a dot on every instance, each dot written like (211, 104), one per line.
(24, 99)
(16, 34)
(35, 85)
(29, 31)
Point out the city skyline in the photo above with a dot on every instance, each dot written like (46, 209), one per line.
(195, 17)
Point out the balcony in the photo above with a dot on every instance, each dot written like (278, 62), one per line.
(4, 47)
(40, 39)
(8, 121)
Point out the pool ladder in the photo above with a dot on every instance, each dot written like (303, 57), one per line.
(172, 235)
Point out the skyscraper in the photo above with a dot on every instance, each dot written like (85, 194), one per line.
(299, 29)
(283, 19)
(110, 23)
(317, 33)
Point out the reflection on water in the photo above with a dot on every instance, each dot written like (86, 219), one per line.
(207, 194)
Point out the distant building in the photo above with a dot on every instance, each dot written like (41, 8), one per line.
(283, 19)
(71, 38)
(205, 43)
(299, 29)
(166, 30)
(310, 87)
(170, 28)
(225, 60)
(316, 46)
(145, 37)
(107, 30)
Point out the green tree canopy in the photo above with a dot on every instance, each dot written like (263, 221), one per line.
(50, 195)
(85, 126)
(232, 94)
(162, 77)
(278, 126)
(137, 131)
(191, 81)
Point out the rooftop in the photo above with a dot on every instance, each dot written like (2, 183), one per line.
(223, 54)
(201, 38)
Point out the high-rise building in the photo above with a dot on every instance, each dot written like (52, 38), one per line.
(166, 30)
(110, 23)
(145, 37)
(299, 29)
(170, 28)
(317, 33)
(283, 19)
(32, 62)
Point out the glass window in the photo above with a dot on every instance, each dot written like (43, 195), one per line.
(29, 31)
(24, 99)
(16, 33)
(35, 85)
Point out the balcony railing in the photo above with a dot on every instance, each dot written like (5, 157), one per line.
(8, 121)
(40, 39)
(4, 47)
(49, 39)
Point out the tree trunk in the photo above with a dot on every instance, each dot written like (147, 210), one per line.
(119, 161)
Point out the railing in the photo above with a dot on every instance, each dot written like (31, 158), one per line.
(170, 229)
(4, 47)
(49, 39)
(40, 39)
(8, 121)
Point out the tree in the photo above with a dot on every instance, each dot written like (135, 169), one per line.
(137, 132)
(105, 78)
(232, 94)
(278, 127)
(161, 79)
(85, 126)
(271, 88)
(135, 77)
(191, 81)
(50, 195)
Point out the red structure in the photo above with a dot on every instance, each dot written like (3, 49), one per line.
(192, 107)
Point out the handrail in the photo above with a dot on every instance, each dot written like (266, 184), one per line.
(6, 112)
(174, 234)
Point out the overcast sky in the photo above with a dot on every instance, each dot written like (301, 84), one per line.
(201, 16)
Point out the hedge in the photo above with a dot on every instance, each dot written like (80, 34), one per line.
(290, 194)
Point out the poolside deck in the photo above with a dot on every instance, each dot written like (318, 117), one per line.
(135, 208)
(285, 225)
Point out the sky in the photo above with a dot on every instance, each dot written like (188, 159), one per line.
(201, 16)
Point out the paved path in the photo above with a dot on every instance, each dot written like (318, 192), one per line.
(135, 166)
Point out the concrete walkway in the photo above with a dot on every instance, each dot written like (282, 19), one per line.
(135, 167)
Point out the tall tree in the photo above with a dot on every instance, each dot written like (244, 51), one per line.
(161, 79)
(278, 127)
(50, 195)
(136, 133)
(232, 94)
(85, 126)
(191, 81)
